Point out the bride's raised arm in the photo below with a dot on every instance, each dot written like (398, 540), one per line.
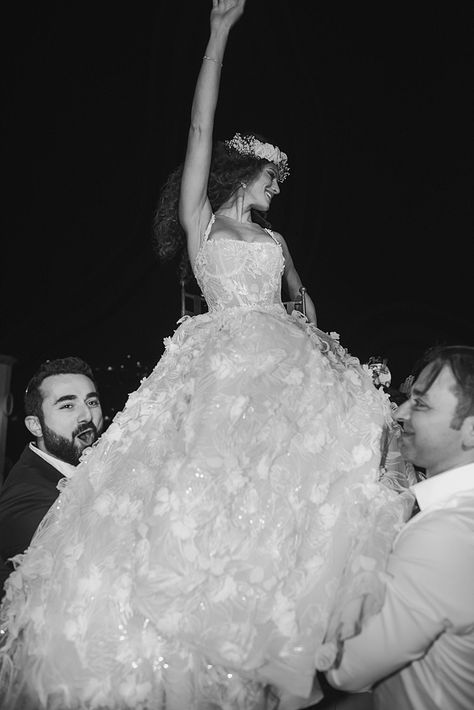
(194, 206)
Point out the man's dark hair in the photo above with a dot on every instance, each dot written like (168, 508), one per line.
(460, 360)
(61, 366)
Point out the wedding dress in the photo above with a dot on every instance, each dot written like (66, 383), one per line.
(228, 530)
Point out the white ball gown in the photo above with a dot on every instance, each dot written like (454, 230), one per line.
(218, 543)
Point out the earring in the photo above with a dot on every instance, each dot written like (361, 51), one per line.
(244, 185)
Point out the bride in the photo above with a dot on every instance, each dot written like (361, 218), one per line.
(215, 547)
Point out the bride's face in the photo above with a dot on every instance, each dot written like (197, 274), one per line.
(264, 187)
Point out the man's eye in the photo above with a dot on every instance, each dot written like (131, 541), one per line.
(93, 403)
(419, 404)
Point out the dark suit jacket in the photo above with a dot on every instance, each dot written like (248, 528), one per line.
(27, 494)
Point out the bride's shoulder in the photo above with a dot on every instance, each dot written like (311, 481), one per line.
(279, 238)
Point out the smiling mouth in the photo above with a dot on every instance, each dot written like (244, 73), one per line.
(87, 437)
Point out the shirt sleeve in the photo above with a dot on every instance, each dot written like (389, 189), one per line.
(429, 580)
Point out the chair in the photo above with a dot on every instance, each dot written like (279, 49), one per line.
(298, 305)
(192, 304)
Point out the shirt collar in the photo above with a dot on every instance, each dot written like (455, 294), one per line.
(436, 490)
(63, 467)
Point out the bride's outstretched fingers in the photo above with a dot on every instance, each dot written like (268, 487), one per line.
(225, 13)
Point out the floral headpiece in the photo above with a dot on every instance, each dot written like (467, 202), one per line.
(249, 145)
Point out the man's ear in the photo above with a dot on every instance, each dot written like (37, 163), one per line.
(33, 425)
(467, 429)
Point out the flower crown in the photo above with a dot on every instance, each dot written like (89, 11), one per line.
(249, 145)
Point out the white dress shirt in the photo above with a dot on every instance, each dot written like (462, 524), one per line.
(63, 467)
(418, 651)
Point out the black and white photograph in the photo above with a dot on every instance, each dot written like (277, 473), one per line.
(237, 356)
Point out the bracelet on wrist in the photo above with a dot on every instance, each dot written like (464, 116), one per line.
(211, 59)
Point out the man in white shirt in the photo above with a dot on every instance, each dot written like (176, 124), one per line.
(417, 653)
(64, 414)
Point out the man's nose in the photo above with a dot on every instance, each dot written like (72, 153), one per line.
(85, 413)
(403, 411)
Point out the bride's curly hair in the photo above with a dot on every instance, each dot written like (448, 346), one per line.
(227, 171)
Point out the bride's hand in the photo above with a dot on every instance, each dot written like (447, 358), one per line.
(225, 13)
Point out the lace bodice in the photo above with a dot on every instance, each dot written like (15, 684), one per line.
(237, 273)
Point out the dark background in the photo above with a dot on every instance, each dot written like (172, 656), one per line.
(372, 103)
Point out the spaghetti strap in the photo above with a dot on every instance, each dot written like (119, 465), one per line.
(269, 231)
(208, 228)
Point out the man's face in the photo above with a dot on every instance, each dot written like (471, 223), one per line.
(428, 439)
(71, 418)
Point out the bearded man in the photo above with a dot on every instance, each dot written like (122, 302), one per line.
(64, 415)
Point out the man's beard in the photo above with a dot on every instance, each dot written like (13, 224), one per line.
(68, 450)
